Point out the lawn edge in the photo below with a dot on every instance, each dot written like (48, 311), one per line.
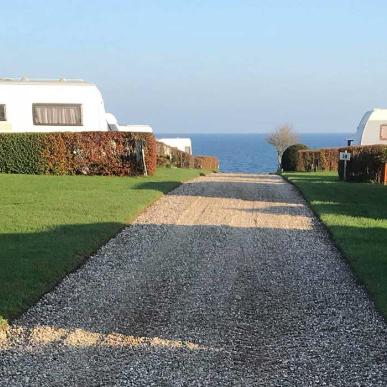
(83, 259)
(345, 256)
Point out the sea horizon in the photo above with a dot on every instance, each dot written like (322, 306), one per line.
(249, 152)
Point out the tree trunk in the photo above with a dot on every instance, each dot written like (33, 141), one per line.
(279, 162)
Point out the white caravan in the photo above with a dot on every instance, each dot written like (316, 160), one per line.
(183, 144)
(372, 128)
(115, 126)
(51, 105)
(135, 128)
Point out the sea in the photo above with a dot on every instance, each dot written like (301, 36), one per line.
(250, 152)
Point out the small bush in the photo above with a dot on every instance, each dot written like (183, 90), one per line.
(290, 157)
(75, 153)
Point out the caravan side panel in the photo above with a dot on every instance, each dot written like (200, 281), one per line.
(375, 130)
(19, 99)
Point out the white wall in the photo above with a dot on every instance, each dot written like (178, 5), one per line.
(19, 97)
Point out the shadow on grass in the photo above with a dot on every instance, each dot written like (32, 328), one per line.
(32, 263)
(161, 186)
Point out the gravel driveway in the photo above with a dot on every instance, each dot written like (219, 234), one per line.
(227, 281)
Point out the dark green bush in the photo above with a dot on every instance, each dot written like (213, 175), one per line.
(21, 153)
(290, 157)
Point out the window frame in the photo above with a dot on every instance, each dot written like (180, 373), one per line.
(42, 104)
(5, 112)
(381, 137)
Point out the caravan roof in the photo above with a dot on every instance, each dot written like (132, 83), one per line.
(183, 144)
(61, 81)
(372, 128)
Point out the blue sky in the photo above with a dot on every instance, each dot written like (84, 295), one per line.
(209, 66)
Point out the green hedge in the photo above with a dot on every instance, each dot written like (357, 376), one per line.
(21, 153)
(72, 153)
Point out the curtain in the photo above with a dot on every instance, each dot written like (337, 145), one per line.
(2, 112)
(383, 132)
(66, 115)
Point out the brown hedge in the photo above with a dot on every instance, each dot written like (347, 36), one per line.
(171, 156)
(68, 153)
(367, 163)
(207, 162)
(325, 159)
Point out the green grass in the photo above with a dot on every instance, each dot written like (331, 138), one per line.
(356, 215)
(50, 224)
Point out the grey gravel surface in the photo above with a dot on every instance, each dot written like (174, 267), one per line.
(227, 281)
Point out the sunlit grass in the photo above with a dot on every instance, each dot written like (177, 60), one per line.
(50, 224)
(356, 216)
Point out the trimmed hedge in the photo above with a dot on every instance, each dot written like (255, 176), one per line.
(290, 157)
(75, 153)
(367, 163)
(171, 156)
(325, 159)
(206, 162)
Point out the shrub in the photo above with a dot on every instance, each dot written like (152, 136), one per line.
(290, 157)
(367, 163)
(325, 159)
(71, 153)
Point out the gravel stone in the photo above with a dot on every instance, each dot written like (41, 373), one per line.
(227, 281)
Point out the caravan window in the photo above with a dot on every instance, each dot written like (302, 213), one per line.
(2, 113)
(57, 114)
(383, 132)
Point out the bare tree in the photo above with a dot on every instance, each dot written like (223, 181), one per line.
(282, 138)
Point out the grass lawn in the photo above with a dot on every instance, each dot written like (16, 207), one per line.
(356, 215)
(49, 224)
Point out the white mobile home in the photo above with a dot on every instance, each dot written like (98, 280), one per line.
(41, 105)
(183, 144)
(372, 128)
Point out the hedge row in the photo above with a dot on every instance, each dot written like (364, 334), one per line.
(206, 162)
(170, 156)
(367, 163)
(69, 153)
(325, 159)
